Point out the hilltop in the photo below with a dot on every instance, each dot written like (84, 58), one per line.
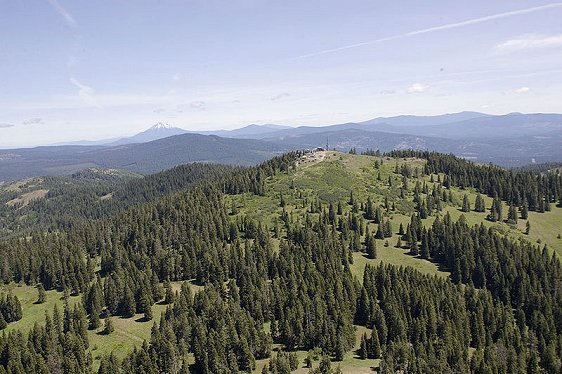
(367, 213)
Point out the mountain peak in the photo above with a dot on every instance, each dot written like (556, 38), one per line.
(161, 126)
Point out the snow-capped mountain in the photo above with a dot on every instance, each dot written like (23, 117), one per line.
(162, 126)
(158, 131)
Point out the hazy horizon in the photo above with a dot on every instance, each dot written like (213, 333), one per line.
(230, 128)
(88, 71)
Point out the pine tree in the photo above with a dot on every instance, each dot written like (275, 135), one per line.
(479, 205)
(380, 231)
(371, 247)
(147, 310)
(42, 295)
(339, 350)
(496, 210)
(524, 211)
(128, 305)
(465, 204)
(528, 228)
(108, 326)
(512, 215)
(363, 347)
(109, 365)
(374, 350)
(425, 247)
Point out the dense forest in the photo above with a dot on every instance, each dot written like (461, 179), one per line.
(95, 193)
(498, 312)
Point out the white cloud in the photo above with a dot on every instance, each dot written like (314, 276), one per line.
(33, 121)
(447, 26)
(63, 12)
(417, 88)
(6, 125)
(176, 77)
(531, 41)
(387, 92)
(521, 90)
(280, 96)
(198, 105)
(86, 93)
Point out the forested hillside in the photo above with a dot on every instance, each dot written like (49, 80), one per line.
(62, 202)
(409, 262)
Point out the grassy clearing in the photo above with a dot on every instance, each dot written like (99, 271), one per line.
(32, 312)
(350, 364)
(28, 197)
(129, 332)
(546, 228)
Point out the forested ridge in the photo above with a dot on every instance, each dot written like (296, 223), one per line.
(96, 193)
(534, 190)
(499, 312)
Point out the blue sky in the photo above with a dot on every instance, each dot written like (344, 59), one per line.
(80, 69)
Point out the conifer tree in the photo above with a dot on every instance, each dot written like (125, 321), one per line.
(168, 293)
(479, 205)
(363, 347)
(371, 247)
(108, 326)
(512, 215)
(380, 231)
(374, 350)
(3, 323)
(465, 204)
(42, 295)
(524, 210)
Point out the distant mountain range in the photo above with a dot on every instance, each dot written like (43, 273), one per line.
(142, 158)
(158, 131)
(513, 139)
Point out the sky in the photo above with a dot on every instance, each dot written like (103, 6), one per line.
(82, 69)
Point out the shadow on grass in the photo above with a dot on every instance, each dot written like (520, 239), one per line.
(440, 266)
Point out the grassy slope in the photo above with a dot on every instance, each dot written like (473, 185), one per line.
(328, 178)
(332, 177)
(129, 332)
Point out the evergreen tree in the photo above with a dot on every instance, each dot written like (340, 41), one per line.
(465, 204)
(374, 348)
(512, 215)
(479, 205)
(3, 323)
(363, 347)
(108, 326)
(42, 295)
(371, 247)
(524, 211)
(169, 296)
